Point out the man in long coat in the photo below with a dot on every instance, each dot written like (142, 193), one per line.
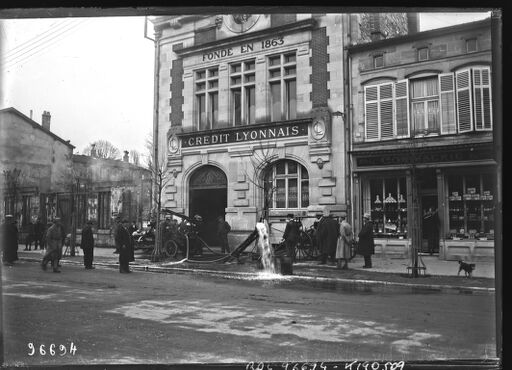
(39, 231)
(9, 240)
(54, 240)
(291, 236)
(366, 243)
(343, 249)
(123, 245)
(328, 232)
(87, 245)
(223, 229)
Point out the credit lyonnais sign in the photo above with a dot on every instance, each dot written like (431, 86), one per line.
(240, 135)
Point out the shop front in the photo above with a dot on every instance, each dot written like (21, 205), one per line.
(450, 202)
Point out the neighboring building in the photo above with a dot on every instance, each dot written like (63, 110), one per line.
(42, 178)
(245, 115)
(422, 137)
(109, 189)
(41, 160)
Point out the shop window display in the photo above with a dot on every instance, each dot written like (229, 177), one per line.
(471, 207)
(388, 207)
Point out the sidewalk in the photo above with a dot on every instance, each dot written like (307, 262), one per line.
(440, 274)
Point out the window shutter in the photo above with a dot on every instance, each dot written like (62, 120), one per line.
(386, 110)
(447, 103)
(482, 96)
(464, 101)
(402, 108)
(371, 112)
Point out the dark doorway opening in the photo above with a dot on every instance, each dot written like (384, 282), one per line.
(208, 198)
(210, 204)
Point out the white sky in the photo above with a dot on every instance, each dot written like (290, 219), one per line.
(95, 75)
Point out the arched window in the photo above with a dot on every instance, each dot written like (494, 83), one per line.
(286, 185)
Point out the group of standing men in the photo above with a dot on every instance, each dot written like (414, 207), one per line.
(334, 239)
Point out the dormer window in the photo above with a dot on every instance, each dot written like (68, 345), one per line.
(423, 54)
(378, 61)
(471, 46)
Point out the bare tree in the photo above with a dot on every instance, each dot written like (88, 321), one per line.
(102, 149)
(160, 178)
(73, 179)
(260, 163)
(135, 157)
(12, 185)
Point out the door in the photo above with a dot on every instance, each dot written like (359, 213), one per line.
(208, 198)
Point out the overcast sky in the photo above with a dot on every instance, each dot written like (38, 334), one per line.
(95, 75)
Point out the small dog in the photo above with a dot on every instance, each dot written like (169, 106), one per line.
(467, 267)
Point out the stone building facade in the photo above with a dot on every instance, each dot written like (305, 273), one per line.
(42, 160)
(422, 137)
(42, 178)
(245, 119)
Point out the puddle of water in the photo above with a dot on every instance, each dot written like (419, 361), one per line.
(264, 322)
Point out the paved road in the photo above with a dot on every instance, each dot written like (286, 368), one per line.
(142, 317)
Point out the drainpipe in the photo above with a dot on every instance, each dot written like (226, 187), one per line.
(347, 119)
(497, 114)
(155, 102)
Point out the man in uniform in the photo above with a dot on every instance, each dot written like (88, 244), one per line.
(291, 236)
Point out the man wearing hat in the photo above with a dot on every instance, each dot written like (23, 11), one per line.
(123, 245)
(9, 240)
(87, 244)
(54, 240)
(291, 236)
(366, 243)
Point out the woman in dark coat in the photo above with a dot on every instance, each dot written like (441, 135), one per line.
(9, 240)
(366, 243)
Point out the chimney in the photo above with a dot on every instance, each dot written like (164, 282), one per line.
(413, 23)
(93, 150)
(376, 24)
(45, 120)
(125, 157)
(31, 113)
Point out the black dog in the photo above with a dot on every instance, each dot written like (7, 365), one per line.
(467, 267)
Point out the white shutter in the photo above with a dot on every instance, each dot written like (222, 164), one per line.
(371, 99)
(482, 98)
(386, 110)
(464, 100)
(447, 103)
(402, 108)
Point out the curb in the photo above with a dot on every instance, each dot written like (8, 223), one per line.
(353, 283)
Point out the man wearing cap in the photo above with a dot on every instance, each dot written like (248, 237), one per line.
(291, 236)
(54, 240)
(9, 240)
(87, 244)
(123, 245)
(366, 243)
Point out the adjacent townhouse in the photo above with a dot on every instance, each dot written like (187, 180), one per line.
(422, 138)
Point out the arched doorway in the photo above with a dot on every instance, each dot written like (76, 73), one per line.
(208, 193)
